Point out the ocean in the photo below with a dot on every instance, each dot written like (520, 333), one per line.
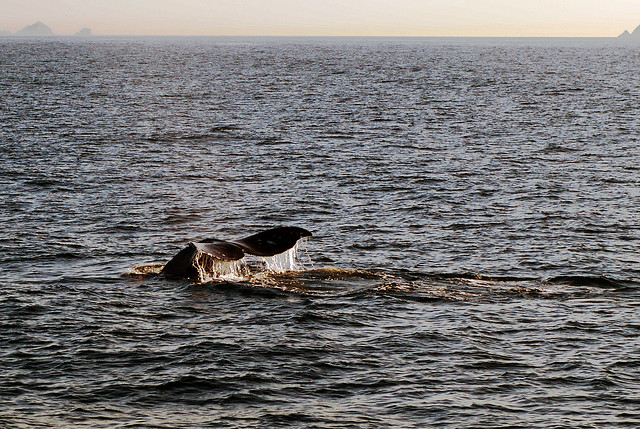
(474, 209)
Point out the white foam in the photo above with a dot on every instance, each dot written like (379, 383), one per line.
(213, 269)
(143, 270)
(210, 269)
(285, 261)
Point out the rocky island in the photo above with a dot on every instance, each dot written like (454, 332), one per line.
(40, 29)
(630, 36)
(85, 32)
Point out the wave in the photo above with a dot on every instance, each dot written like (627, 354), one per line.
(401, 284)
(594, 281)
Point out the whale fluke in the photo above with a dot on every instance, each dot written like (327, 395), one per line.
(272, 241)
(266, 243)
(181, 265)
(220, 250)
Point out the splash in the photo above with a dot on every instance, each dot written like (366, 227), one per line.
(213, 269)
(145, 270)
(210, 269)
(285, 261)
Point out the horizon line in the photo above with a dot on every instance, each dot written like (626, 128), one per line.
(46, 31)
(305, 36)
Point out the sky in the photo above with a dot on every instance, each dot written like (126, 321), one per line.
(464, 18)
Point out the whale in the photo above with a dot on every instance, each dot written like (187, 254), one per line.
(266, 243)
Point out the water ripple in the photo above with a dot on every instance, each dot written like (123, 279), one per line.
(474, 209)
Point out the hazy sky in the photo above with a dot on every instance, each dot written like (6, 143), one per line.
(327, 17)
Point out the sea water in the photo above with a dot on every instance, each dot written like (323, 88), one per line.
(475, 218)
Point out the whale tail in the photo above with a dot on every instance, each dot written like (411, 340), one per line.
(266, 243)
(273, 241)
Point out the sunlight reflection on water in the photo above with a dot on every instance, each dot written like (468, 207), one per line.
(475, 248)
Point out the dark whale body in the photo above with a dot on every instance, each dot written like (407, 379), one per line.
(267, 243)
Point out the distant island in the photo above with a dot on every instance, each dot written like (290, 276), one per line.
(85, 32)
(40, 29)
(631, 36)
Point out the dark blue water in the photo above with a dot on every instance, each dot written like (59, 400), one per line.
(474, 204)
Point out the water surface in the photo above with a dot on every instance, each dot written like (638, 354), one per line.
(474, 205)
